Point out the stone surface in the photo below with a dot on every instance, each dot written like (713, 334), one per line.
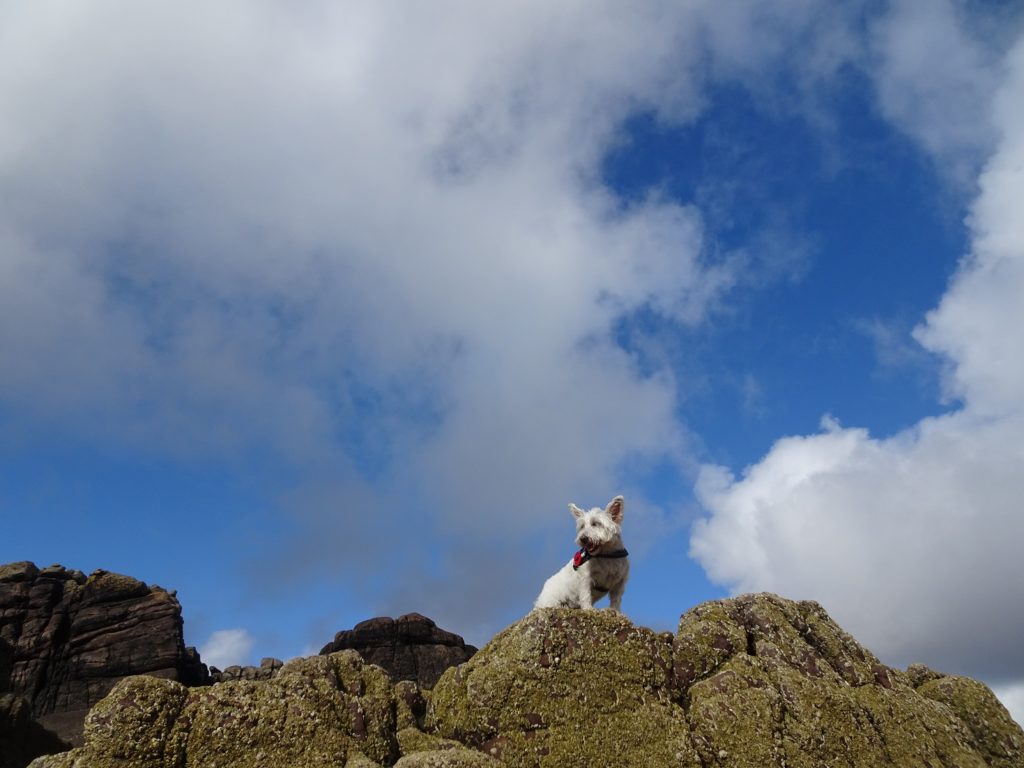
(71, 638)
(412, 704)
(317, 712)
(754, 681)
(412, 740)
(411, 647)
(773, 682)
(448, 758)
(21, 737)
(565, 687)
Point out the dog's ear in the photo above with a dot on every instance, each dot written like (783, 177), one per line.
(616, 508)
(576, 511)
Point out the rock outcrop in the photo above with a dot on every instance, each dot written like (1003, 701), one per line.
(71, 638)
(753, 681)
(267, 670)
(750, 682)
(411, 647)
(21, 737)
(316, 712)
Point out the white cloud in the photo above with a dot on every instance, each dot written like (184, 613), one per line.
(227, 647)
(911, 541)
(334, 231)
(346, 234)
(935, 79)
(331, 231)
(1012, 697)
(228, 248)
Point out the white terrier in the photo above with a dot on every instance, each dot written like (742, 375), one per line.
(599, 568)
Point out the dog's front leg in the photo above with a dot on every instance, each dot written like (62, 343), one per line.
(586, 598)
(615, 596)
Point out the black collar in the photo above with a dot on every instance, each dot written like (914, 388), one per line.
(582, 556)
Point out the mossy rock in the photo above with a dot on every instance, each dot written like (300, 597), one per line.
(313, 714)
(412, 740)
(772, 682)
(412, 704)
(993, 733)
(749, 682)
(448, 758)
(71, 759)
(359, 760)
(567, 688)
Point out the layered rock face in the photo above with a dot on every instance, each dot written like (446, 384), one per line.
(71, 638)
(411, 647)
(751, 682)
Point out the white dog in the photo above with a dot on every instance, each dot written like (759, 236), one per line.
(599, 568)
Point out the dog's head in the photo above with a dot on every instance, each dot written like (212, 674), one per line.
(597, 528)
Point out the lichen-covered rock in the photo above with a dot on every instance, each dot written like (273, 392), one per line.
(567, 688)
(448, 758)
(771, 682)
(134, 722)
(993, 734)
(412, 704)
(750, 682)
(313, 714)
(412, 740)
(359, 760)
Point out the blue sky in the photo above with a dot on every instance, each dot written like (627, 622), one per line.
(321, 311)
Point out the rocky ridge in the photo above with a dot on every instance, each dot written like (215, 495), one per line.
(751, 681)
(66, 639)
(267, 670)
(411, 647)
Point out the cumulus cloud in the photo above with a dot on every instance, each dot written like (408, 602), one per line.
(227, 647)
(911, 541)
(935, 77)
(370, 241)
(367, 240)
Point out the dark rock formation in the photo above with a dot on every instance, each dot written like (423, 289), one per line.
(267, 670)
(21, 737)
(411, 647)
(71, 638)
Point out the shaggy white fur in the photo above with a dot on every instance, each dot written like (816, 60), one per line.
(599, 535)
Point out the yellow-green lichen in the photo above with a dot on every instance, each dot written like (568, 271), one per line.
(312, 715)
(749, 682)
(992, 732)
(411, 703)
(566, 688)
(135, 720)
(448, 758)
(414, 740)
(359, 760)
